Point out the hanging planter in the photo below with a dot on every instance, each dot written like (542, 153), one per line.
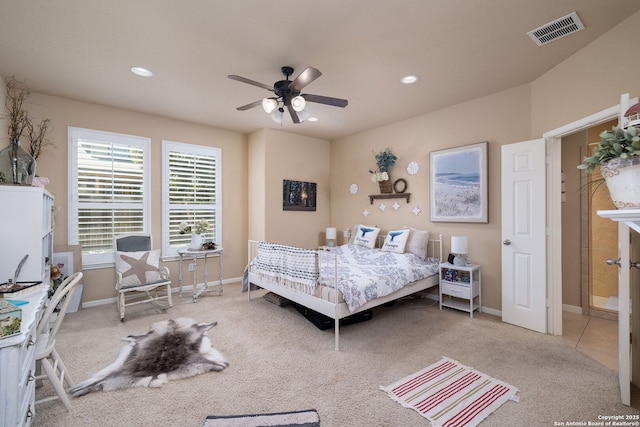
(622, 177)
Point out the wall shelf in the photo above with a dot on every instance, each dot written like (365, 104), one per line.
(406, 196)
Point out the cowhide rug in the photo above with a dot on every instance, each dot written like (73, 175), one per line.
(172, 349)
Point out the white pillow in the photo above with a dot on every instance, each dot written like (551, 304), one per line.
(396, 241)
(418, 242)
(138, 268)
(366, 236)
(354, 231)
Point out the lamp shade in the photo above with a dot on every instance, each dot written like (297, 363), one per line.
(269, 104)
(459, 245)
(298, 103)
(331, 233)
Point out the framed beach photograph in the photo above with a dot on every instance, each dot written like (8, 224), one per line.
(459, 184)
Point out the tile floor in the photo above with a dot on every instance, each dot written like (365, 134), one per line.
(595, 337)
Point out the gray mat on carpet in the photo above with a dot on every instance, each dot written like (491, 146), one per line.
(307, 418)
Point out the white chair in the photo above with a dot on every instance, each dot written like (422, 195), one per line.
(139, 277)
(51, 365)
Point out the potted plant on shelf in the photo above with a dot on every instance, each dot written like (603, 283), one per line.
(617, 156)
(385, 160)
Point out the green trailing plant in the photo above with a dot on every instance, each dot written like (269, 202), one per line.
(616, 143)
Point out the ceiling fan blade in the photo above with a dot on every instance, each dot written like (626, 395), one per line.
(305, 77)
(248, 106)
(336, 102)
(294, 114)
(251, 82)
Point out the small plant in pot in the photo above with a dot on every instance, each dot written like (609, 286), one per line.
(385, 160)
(618, 158)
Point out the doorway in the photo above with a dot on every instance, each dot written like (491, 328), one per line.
(589, 285)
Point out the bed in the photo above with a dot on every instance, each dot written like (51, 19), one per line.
(367, 276)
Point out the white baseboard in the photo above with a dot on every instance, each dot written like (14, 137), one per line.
(174, 290)
(571, 308)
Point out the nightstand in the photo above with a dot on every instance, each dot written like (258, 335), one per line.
(325, 248)
(461, 287)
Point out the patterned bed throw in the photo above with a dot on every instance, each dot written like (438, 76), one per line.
(366, 274)
(288, 265)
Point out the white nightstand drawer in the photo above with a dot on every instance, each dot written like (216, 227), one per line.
(460, 291)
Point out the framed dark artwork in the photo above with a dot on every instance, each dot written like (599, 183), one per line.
(459, 187)
(298, 195)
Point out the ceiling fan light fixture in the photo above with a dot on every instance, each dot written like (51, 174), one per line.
(298, 103)
(269, 104)
(276, 115)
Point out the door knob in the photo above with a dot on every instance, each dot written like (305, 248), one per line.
(612, 261)
(506, 242)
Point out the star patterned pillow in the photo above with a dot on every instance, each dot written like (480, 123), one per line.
(138, 268)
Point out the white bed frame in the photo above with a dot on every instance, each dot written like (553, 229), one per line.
(338, 310)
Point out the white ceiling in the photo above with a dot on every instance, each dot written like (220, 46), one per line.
(461, 50)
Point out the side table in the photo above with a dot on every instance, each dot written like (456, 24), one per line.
(461, 287)
(195, 254)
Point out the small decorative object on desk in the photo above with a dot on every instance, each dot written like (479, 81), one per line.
(209, 246)
(385, 160)
(56, 277)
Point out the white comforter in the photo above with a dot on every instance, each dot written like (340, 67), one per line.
(366, 274)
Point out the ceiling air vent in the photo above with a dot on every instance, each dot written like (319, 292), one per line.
(557, 29)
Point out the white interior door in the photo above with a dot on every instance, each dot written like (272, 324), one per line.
(523, 235)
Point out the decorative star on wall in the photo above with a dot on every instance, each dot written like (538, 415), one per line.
(416, 210)
(396, 206)
(365, 213)
(383, 207)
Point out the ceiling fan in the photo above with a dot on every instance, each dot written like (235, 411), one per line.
(288, 93)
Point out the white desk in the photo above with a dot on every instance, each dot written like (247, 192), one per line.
(195, 254)
(18, 365)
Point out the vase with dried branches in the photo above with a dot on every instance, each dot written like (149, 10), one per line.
(18, 166)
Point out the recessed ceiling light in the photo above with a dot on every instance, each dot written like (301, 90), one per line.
(410, 79)
(312, 119)
(141, 71)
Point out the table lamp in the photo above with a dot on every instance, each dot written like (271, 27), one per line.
(331, 236)
(459, 247)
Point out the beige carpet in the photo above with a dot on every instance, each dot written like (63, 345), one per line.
(281, 362)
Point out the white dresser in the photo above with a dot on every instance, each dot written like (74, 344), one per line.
(18, 366)
(26, 227)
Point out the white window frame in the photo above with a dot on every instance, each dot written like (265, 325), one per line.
(103, 259)
(168, 251)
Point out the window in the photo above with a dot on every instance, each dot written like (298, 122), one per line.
(191, 192)
(108, 191)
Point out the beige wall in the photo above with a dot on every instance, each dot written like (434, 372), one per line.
(500, 119)
(589, 81)
(585, 83)
(276, 156)
(99, 283)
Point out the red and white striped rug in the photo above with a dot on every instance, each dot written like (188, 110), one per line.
(450, 394)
